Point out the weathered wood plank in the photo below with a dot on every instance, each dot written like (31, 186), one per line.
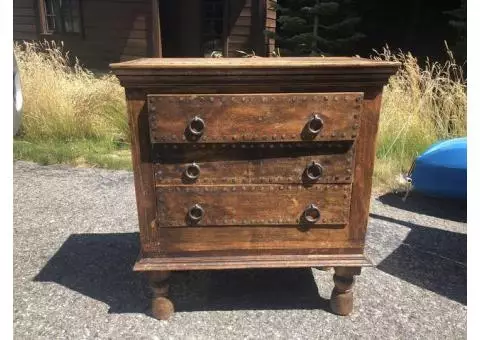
(247, 205)
(257, 163)
(255, 117)
(248, 239)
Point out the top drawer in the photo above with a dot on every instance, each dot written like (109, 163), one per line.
(254, 117)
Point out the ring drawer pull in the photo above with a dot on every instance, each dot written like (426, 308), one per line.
(192, 171)
(196, 126)
(312, 213)
(315, 124)
(195, 213)
(314, 171)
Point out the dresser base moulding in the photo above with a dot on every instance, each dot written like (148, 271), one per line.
(249, 261)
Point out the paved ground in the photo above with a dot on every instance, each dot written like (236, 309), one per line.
(75, 242)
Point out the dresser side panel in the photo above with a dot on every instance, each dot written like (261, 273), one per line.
(364, 164)
(142, 164)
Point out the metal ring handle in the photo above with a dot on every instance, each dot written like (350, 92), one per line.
(315, 124)
(314, 171)
(192, 171)
(195, 213)
(196, 126)
(312, 213)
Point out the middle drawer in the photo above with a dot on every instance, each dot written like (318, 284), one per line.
(253, 163)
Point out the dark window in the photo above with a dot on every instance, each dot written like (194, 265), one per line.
(213, 15)
(61, 16)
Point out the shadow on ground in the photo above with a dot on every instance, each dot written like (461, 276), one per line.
(100, 266)
(431, 258)
(448, 209)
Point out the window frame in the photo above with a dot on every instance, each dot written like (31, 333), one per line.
(59, 31)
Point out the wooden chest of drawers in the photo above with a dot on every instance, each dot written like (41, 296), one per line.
(253, 163)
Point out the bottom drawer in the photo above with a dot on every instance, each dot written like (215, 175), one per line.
(236, 205)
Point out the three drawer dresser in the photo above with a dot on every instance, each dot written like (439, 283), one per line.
(253, 163)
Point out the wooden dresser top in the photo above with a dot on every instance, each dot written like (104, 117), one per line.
(253, 63)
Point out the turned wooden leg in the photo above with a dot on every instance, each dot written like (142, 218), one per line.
(162, 307)
(341, 301)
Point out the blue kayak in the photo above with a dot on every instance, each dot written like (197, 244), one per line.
(441, 171)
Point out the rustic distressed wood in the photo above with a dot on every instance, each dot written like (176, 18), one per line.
(252, 239)
(341, 300)
(254, 117)
(162, 307)
(253, 163)
(251, 191)
(252, 204)
(279, 258)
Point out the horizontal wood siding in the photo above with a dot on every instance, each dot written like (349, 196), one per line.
(119, 30)
(24, 20)
(240, 30)
(113, 30)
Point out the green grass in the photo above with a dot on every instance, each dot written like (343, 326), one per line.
(81, 153)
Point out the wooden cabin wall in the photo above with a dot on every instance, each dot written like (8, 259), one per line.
(113, 30)
(248, 21)
(118, 30)
(180, 23)
(239, 27)
(24, 20)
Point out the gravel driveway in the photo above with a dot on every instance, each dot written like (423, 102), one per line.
(75, 241)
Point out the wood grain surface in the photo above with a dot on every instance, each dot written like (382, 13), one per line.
(254, 117)
(252, 204)
(253, 163)
(245, 240)
(229, 63)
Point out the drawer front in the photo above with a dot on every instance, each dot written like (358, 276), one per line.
(254, 117)
(256, 163)
(250, 205)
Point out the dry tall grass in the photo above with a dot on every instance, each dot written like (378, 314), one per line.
(64, 100)
(419, 107)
